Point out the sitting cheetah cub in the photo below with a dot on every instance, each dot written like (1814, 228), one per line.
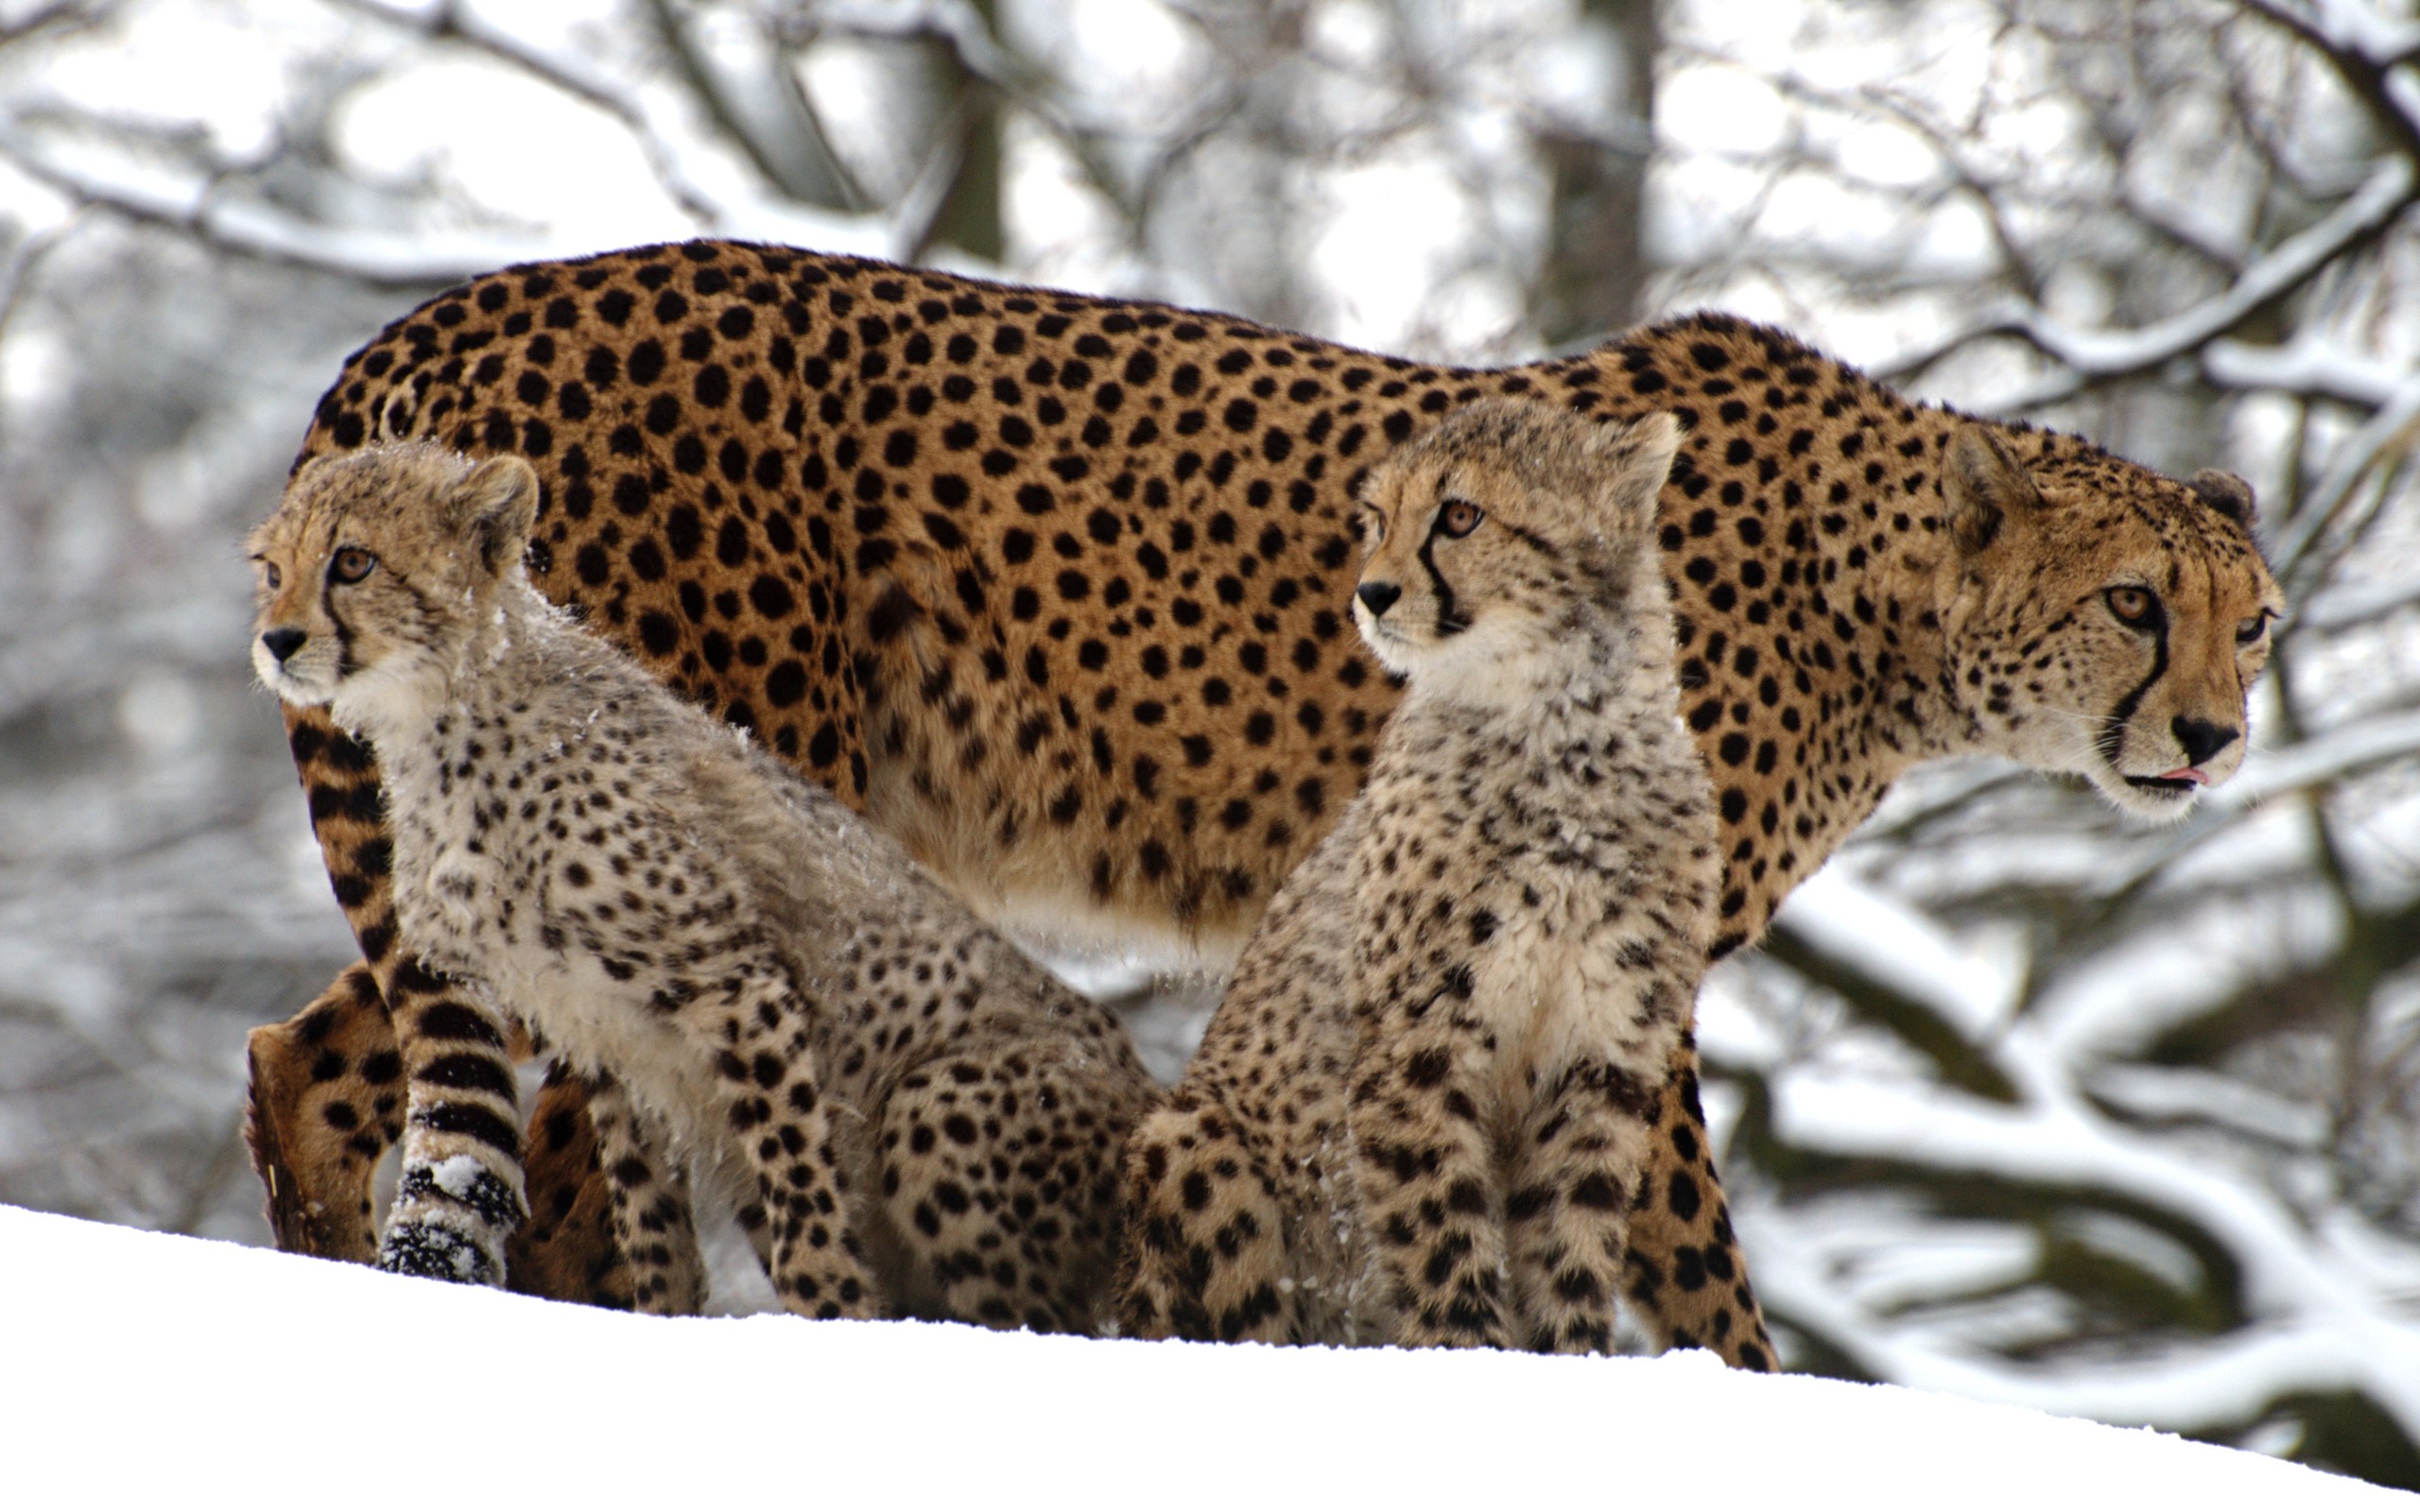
(913, 1117)
(1421, 1115)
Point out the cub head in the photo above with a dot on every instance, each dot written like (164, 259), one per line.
(1503, 534)
(380, 565)
(2103, 619)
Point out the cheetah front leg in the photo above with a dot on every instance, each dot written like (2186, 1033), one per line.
(326, 1101)
(1207, 1255)
(1430, 1199)
(1575, 1176)
(774, 1098)
(1688, 1281)
(653, 1227)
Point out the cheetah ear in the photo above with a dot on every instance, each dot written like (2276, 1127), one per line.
(2227, 493)
(495, 509)
(1981, 485)
(1640, 455)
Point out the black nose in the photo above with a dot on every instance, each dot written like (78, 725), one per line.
(282, 644)
(1378, 597)
(2200, 739)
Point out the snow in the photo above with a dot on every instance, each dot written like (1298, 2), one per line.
(187, 1347)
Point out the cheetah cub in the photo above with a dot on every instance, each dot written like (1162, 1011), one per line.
(1421, 1115)
(912, 1116)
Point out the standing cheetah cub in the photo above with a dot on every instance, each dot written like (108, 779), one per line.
(915, 1118)
(1422, 1113)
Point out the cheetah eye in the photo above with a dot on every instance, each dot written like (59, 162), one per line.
(2134, 606)
(1459, 518)
(350, 564)
(1371, 523)
(2251, 630)
(270, 575)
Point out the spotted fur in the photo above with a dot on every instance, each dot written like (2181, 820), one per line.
(1422, 1112)
(1052, 588)
(763, 990)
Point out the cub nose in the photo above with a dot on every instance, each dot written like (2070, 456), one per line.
(1377, 597)
(283, 642)
(2200, 739)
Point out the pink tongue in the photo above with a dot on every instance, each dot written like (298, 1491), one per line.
(2186, 774)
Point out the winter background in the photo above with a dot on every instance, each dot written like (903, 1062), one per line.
(2020, 1101)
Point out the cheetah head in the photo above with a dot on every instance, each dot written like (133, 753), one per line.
(2102, 619)
(1496, 537)
(379, 566)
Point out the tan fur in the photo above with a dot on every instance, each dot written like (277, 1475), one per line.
(1053, 589)
(762, 990)
(1421, 1114)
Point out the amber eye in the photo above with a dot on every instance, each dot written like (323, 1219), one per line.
(2134, 606)
(1459, 518)
(2251, 630)
(350, 564)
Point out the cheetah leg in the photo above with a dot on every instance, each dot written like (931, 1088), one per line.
(1426, 1173)
(1207, 1255)
(653, 1227)
(997, 1166)
(1575, 1174)
(460, 1193)
(1688, 1281)
(325, 1104)
(774, 1100)
(566, 1250)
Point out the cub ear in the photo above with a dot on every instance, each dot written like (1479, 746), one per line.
(1981, 485)
(497, 509)
(1639, 457)
(2227, 493)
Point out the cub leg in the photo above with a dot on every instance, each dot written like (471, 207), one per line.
(653, 1227)
(567, 1251)
(1574, 1175)
(1430, 1198)
(1688, 1281)
(774, 1097)
(1207, 1255)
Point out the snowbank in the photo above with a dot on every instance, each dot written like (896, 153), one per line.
(144, 1371)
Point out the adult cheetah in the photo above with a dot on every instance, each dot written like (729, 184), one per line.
(1420, 1115)
(912, 1116)
(1051, 587)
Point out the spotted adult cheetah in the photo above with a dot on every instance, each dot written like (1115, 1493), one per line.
(1421, 1115)
(916, 1117)
(1051, 587)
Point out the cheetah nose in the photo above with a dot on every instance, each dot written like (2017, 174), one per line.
(2200, 739)
(1378, 597)
(282, 644)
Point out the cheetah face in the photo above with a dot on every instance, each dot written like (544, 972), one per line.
(372, 580)
(1510, 528)
(2106, 621)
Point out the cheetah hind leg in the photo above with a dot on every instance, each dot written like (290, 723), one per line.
(567, 1251)
(1687, 1281)
(325, 1102)
(653, 1227)
(1574, 1175)
(1206, 1256)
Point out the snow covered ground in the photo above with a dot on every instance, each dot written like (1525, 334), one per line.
(148, 1370)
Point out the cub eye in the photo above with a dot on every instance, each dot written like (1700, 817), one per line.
(2132, 606)
(350, 564)
(1459, 518)
(270, 575)
(2251, 630)
(1370, 524)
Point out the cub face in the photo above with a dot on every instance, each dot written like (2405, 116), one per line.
(2106, 622)
(1490, 541)
(379, 566)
